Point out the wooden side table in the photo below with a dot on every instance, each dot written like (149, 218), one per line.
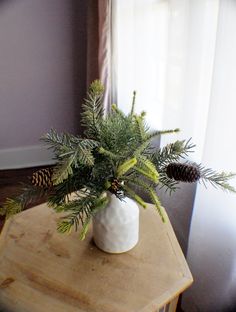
(42, 270)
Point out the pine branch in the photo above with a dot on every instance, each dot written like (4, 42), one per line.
(65, 146)
(140, 127)
(62, 142)
(93, 110)
(149, 167)
(71, 152)
(156, 201)
(171, 153)
(217, 180)
(160, 132)
(117, 111)
(63, 170)
(85, 228)
(66, 141)
(109, 154)
(146, 173)
(146, 139)
(134, 196)
(133, 103)
(28, 194)
(170, 185)
(11, 207)
(65, 226)
(84, 155)
(151, 193)
(118, 135)
(136, 181)
(60, 192)
(124, 167)
(141, 148)
(82, 210)
(59, 142)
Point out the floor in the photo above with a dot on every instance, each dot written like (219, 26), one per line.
(10, 184)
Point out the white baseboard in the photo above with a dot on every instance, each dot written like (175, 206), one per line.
(23, 157)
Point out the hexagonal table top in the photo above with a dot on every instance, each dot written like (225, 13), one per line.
(42, 270)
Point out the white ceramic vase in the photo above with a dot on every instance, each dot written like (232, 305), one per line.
(116, 227)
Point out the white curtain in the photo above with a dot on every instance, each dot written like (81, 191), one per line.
(212, 245)
(180, 57)
(165, 51)
(107, 51)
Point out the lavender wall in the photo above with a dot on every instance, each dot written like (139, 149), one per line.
(37, 69)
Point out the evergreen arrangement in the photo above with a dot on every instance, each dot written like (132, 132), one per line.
(114, 155)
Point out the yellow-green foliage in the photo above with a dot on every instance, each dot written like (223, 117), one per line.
(126, 166)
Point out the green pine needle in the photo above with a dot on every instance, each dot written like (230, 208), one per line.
(85, 228)
(126, 166)
(160, 132)
(217, 179)
(108, 153)
(133, 103)
(28, 194)
(147, 173)
(63, 170)
(157, 203)
(149, 167)
(135, 197)
(11, 207)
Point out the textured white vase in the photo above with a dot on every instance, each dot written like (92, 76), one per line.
(116, 227)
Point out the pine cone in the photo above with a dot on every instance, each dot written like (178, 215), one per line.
(42, 178)
(116, 188)
(183, 172)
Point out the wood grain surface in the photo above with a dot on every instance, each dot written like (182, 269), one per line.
(42, 270)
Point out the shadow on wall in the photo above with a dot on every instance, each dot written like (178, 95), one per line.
(179, 206)
(4, 3)
(212, 254)
(202, 266)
